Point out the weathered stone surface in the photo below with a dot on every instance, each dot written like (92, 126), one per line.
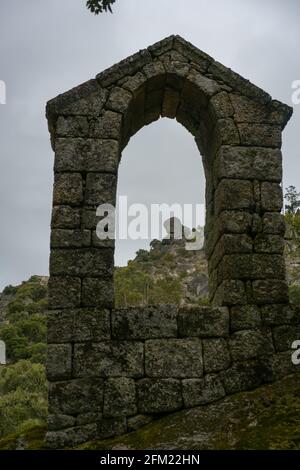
(255, 266)
(189, 122)
(80, 155)
(264, 243)
(102, 242)
(200, 58)
(281, 365)
(153, 105)
(87, 418)
(247, 110)
(269, 291)
(162, 46)
(68, 189)
(100, 189)
(71, 436)
(126, 67)
(85, 99)
(108, 126)
(89, 218)
(249, 163)
(225, 133)
(70, 238)
(203, 322)
(76, 396)
(271, 197)
(249, 344)
(202, 391)
(264, 135)
(281, 314)
(97, 292)
(245, 317)
(60, 421)
(109, 427)
(59, 361)
(176, 358)
(230, 292)
(109, 359)
(91, 325)
(136, 422)
(170, 103)
(155, 73)
(65, 217)
(234, 194)
(119, 397)
(208, 86)
(138, 111)
(159, 395)
(135, 83)
(235, 221)
(284, 336)
(145, 322)
(176, 72)
(119, 100)
(81, 262)
(72, 126)
(246, 375)
(60, 326)
(273, 223)
(229, 244)
(91, 105)
(216, 355)
(64, 292)
(220, 106)
(82, 324)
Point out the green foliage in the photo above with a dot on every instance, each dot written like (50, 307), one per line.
(9, 290)
(168, 258)
(24, 331)
(99, 6)
(293, 220)
(293, 200)
(25, 338)
(135, 287)
(23, 396)
(203, 301)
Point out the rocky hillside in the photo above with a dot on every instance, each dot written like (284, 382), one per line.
(167, 273)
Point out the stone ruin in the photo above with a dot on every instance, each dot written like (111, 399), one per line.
(110, 370)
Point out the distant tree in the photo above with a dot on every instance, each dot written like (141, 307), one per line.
(99, 6)
(292, 198)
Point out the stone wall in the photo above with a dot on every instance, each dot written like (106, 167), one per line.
(106, 368)
(129, 366)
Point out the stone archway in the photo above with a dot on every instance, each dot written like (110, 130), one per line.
(103, 367)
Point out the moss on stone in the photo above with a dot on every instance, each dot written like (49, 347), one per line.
(266, 418)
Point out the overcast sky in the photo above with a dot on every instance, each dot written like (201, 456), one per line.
(50, 46)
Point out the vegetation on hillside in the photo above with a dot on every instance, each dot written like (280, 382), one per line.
(23, 397)
(24, 328)
(292, 217)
